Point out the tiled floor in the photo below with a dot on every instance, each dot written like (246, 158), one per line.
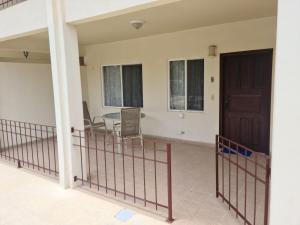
(194, 201)
(28, 199)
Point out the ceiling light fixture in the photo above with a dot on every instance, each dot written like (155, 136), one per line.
(137, 24)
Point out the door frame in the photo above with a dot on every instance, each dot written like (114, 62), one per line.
(222, 80)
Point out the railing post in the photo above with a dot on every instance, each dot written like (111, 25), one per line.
(267, 192)
(169, 165)
(217, 166)
(19, 164)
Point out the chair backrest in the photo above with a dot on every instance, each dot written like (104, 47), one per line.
(86, 114)
(130, 122)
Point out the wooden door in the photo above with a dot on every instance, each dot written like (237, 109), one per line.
(245, 95)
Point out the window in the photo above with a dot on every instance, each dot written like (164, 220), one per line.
(123, 85)
(186, 91)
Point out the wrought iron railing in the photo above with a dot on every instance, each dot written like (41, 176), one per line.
(139, 173)
(243, 181)
(29, 145)
(8, 3)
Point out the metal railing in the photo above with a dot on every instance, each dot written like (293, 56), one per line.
(243, 181)
(8, 3)
(29, 145)
(139, 173)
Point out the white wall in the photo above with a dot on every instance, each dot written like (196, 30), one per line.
(26, 93)
(78, 11)
(24, 18)
(285, 182)
(154, 53)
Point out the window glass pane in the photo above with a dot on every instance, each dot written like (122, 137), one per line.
(195, 84)
(112, 85)
(177, 85)
(132, 85)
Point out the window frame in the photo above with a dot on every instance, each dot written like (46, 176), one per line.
(121, 77)
(185, 77)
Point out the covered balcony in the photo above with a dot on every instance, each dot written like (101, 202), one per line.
(201, 72)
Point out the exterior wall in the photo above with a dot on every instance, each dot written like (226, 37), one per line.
(26, 93)
(25, 18)
(77, 11)
(154, 53)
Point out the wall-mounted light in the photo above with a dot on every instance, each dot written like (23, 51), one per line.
(137, 24)
(212, 51)
(26, 54)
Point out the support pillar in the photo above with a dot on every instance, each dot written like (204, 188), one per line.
(285, 165)
(65, 67)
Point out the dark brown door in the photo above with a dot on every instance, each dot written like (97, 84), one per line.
(246, 79)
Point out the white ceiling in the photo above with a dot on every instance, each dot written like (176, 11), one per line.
(180, 15)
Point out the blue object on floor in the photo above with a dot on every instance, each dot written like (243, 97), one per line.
(241, 150)
(124, 215)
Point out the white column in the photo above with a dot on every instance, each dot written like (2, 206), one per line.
(67, 89)
(285, 177)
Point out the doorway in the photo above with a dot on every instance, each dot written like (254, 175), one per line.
(245, 98)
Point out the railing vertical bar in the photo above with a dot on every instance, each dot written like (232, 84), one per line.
(37, 148)
(97, 166)
(114, 165)
(105, 164)
(48, 149)
(245, 205)
(255, 186)
(17, 144)
(169, 172)
(89, 159)
(155, 176)
(7, 138)
(133, 172)
(43, 155)
(237, 181)
(3, 138)
(81, 161)
(144, 174)
(1, 148)
(54, 149)
(123, 164)
(31, 144)
(267, 186)
(217, 166)
(223, 171)
(229, 175)
(22, 146)
(12, 140)
(26, 143)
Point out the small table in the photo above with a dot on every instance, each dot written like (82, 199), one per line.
(117, 116)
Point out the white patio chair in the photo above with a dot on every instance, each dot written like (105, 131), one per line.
(92, 124)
